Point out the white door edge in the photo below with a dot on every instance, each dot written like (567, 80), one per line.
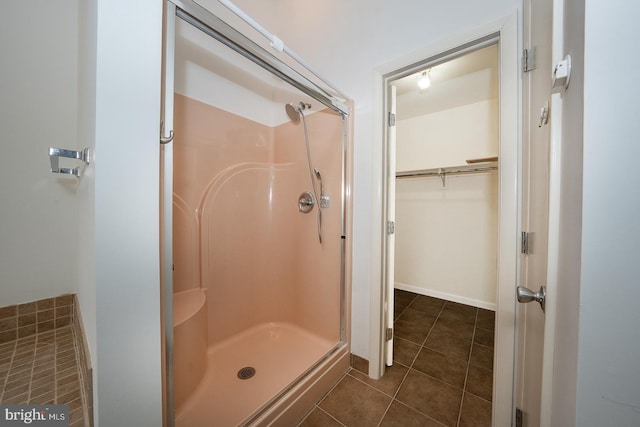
(391, 218)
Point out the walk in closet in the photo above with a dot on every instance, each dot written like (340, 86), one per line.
(447, 181)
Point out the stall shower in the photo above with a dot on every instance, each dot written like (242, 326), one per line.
(258, 252)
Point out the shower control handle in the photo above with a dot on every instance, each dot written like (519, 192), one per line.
(306, 202)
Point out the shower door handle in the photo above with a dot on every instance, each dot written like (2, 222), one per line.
(165, 139)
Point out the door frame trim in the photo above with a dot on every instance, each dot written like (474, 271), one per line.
(509, 43)
(555, 196)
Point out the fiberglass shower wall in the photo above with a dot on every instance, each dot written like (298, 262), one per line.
(239, 167)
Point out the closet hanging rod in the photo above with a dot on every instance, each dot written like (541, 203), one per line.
(455, 170)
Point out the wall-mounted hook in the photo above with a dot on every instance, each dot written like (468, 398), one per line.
(56, 153)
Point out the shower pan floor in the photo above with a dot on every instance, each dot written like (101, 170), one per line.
(279, 353)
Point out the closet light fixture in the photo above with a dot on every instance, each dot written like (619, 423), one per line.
(424, 81)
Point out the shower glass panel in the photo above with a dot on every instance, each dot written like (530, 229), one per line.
(257, 297)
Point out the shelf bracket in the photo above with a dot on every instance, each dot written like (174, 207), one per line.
(442, 174)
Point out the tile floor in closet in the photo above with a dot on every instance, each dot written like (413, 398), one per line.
(442, 373)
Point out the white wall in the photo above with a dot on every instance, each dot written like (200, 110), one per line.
(448, 138)
(357, 37)
(38, 239)
(446, 239)
(124, 186)
(118, 202)
(608, 377)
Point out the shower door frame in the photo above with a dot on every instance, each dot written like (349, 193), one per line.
(202, 19)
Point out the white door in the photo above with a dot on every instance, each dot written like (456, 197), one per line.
(391, 219)
(535, 208)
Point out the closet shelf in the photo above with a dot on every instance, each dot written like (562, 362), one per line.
(453, 170)
(483, 160)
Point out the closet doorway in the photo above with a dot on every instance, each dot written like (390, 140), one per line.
(449, 214)
(446, 179)
(444, 210)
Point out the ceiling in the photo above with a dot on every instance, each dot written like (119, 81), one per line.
(465, 80)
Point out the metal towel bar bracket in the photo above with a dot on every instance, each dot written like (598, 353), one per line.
(56, 153)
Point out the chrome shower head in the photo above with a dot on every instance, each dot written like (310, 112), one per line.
(294, 111)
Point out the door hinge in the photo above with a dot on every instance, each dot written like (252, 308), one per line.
(388, 334)
(528, 60)
(392, 119)
(391, 227)
(518, 417)
(525, 243)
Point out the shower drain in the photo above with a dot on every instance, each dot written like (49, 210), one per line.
(246, 373)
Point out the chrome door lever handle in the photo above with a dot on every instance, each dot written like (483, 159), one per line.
(527, 295)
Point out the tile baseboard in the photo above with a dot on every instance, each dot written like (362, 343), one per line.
(360, 364)
(84, 362)
(23, 320)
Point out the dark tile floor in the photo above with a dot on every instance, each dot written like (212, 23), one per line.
(442, 373)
